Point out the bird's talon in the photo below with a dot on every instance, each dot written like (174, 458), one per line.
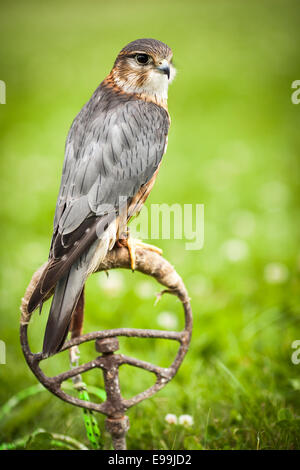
(132, 244)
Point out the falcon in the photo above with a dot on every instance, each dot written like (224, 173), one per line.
(113, 153)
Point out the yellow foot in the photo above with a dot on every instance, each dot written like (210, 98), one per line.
(133, 243)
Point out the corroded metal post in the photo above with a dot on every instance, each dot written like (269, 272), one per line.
(107, 344)
(117, 424)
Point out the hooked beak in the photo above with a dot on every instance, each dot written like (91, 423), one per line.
(164, 67)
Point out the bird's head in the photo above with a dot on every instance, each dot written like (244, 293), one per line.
(144, 67)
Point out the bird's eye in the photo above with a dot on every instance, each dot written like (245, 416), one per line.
(142, 59)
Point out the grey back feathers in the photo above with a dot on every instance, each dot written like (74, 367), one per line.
(113, 148)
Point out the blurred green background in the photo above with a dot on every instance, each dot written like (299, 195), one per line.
(233, 146)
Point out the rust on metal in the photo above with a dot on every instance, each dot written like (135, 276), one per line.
(107, 344)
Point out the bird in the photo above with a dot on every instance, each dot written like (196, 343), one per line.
(113, 153)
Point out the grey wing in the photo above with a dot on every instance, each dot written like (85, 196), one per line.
(120, 153)
(107, 161)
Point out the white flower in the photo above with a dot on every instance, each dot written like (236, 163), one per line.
(171, 419)
(167, 320)
(235, 250)
(276, 273)
(186, 420)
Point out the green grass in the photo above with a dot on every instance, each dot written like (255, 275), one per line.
(234, 147)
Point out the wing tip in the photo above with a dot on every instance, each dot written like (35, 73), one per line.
(32, 305)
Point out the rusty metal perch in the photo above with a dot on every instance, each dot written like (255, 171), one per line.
(106, 342)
